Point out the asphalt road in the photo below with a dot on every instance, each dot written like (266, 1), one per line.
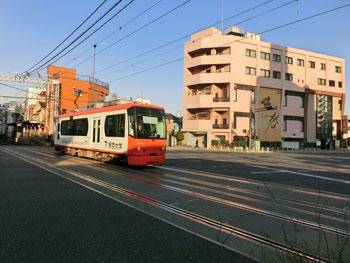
(45, 218)
(257, 204)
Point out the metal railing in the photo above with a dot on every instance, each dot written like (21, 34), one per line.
(221, 99)
(220, 126)
(89, 79)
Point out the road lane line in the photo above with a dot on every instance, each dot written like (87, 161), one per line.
(300, 173)
(221, 201)
(234, 231)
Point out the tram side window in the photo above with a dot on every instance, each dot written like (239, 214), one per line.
(81, 127)
(77, 127)
(115, 125)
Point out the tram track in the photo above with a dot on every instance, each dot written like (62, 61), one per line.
(249, 208)
(229, 229)
(275, 198)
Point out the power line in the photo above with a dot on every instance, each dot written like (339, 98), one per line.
(187, 35)
(119, 28)
(239, 40)
(240, 22)
(138, 29)
(77, 38)
(82, 23)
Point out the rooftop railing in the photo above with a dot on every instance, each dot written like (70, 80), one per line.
(89, 79)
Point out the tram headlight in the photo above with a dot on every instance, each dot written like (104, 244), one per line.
(139, 148)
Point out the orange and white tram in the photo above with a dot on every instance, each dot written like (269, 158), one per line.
(134, 133)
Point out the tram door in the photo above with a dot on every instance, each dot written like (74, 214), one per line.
(96, 133)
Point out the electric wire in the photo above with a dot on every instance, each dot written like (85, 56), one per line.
(135, 31)
(81, 24)
(185, 36)
(119, 28)
(239, 40)
(153, 57)
(77, 38)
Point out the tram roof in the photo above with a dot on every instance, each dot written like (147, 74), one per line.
(109, 108)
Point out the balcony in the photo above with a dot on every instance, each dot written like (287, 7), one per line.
(220, 126)
(205, 78)
(208, 60)
(221, 99)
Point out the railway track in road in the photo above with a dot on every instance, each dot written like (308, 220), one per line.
(82, 179)
(237, 192)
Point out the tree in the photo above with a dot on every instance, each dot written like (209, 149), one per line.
(180, 136)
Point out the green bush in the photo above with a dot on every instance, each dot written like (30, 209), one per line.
(224, 143)
(309, 145)
(215, 142)
(180, 137)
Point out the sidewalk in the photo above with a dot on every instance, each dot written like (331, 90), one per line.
(262, 150)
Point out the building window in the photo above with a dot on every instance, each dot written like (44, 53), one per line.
(337, 69)
(265, 56)
(289, 76)
(277, 75)
(302, 126)
(339, 104)
(252, 98)
(250, 71)
(265, 73)
(340, 84)
(311, 64)
(323, 66)
(234, 94)
(332, 83)
(276, 58)
(289, 60)
(321, 82)
(302, 102)
(285, 101)
(284, 125)
(250, 53)
(300, 62)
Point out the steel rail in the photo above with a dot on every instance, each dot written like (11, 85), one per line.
(249, 208)
(235, 231)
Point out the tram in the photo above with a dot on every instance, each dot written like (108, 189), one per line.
(133, 133)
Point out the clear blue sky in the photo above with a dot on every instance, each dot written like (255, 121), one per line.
(30, 29)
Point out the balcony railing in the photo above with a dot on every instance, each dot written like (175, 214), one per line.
(221, 99)
(220, 126)
(96, 81)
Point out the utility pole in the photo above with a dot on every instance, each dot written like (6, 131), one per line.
(93, 75)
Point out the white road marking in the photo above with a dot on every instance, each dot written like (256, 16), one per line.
(300, 173)
(265, 172)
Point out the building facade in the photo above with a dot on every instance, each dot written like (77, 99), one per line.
(236, 85)
(73, 91)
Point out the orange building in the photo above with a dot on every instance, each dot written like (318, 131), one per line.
(77, 90)
(72, 92)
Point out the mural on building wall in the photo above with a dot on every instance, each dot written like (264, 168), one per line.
(269, 128)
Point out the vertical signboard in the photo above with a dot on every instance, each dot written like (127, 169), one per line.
(269, 123)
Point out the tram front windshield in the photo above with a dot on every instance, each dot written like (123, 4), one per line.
(146, 123)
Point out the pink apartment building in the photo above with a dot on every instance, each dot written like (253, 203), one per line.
(235, 84)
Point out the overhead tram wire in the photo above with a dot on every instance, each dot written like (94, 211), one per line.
(239, 40)
(145, 60)
(122, 26)
(77, 38)
(81, 24)
(181, 38)
(238, 23)
(138, 29)
(70, 50)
